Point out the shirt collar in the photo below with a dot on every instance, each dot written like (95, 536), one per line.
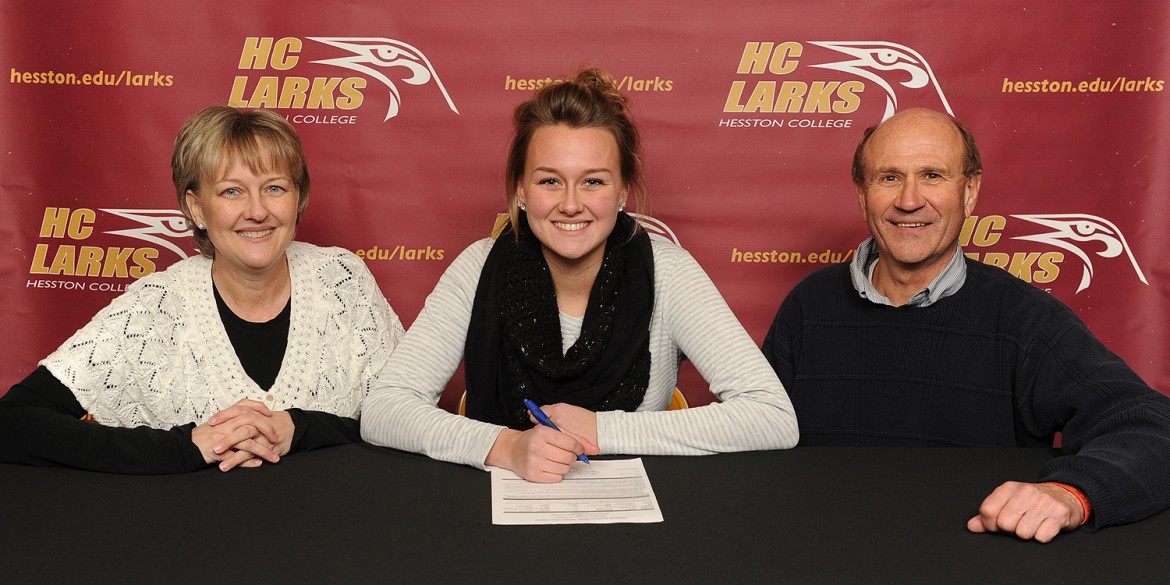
(947, 283)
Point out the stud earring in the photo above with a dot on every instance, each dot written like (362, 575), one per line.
(200, 226)
(522, 206)
(621, 207)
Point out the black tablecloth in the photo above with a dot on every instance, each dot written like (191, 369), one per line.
(358, 514)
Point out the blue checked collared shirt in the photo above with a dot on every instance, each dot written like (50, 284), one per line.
(947, 283)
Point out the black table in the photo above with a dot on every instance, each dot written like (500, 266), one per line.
(358, 514)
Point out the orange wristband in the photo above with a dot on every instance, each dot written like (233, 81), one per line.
(1085, 506)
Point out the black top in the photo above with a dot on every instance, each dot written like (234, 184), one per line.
(998, 363)
(259, 346)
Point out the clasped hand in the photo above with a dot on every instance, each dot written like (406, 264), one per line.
(245, 434)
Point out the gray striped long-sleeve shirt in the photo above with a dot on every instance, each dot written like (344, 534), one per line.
(690, 317)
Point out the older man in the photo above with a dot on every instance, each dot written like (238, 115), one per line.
(912, 344)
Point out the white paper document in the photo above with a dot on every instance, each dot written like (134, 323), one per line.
(605, 492)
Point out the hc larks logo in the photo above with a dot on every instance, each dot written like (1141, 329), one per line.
(1077, 234)
(382, 59)
(1080, 234)
(371, 54)
(67, 249)
(768, 83)
(886, 64)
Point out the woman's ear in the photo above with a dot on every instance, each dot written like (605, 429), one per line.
(194, 209)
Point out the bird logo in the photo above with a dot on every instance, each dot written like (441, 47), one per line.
(1076, 231)
(157, 224)
(375, 56)
(883, 63)
(656, 228)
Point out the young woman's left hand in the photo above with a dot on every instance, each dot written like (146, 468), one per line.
(578, 422)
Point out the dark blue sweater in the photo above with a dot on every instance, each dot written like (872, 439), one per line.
(999, 363)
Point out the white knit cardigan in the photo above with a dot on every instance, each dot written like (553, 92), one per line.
(159, 355)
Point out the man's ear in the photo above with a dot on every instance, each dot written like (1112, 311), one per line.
(971, 193)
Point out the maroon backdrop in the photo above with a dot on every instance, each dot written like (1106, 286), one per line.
(750, 112)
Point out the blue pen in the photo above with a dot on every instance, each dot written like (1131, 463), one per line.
(543, 419)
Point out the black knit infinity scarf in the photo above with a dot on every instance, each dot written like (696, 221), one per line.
(514, 344)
